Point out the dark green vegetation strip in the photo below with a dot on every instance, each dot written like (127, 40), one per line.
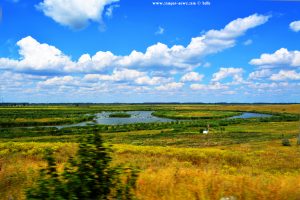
(19, 117)
(121, 115)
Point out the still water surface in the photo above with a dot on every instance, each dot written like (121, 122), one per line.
(143, 117)
(136, 117)
(247, 115)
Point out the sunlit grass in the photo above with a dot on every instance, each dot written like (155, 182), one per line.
(192, 114)
(175, 173)
(244, 160)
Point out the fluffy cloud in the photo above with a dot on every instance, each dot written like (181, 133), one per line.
(43, 57)
(170, 86)
(285, 75)
(238, 27)
(263, 85)
(192, 76)
(278, 58)
(37, 57)
(295, 26)
(57, 81)
(146, 80)
(178, 56)
(260, 74)
(235, 73)
(74, 13)
(18, 84)
(10, 76)
(98, 62)
(217, 40)
(9, 79)
(128, 75)
(213, 86)
(117, 75)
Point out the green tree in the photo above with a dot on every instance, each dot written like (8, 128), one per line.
(87, 176)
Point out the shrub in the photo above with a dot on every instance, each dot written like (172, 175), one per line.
(89, 175)
(286, 142)
(298, 140)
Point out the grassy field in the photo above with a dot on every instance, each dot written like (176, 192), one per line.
(242, 159)
(267, 108)
(186, 114)
(42, 116)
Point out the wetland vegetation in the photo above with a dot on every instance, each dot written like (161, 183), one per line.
(195, 114)
(238, 157)
(119, 115)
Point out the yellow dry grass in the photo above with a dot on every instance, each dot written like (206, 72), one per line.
(261, 170)
(284, 108)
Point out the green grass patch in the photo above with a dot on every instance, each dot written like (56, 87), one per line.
(196, 114)
(120, 115)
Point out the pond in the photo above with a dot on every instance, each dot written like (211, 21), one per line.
(136, 117)
(247, 115)
(139, 117)
(143, 117)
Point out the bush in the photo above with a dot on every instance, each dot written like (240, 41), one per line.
(89, 175)
(286, 142)
(298, 140)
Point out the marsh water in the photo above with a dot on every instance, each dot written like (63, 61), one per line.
(247, 115)
(143, 117)
(136, 117)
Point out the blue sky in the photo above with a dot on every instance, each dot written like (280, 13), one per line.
(135, 51)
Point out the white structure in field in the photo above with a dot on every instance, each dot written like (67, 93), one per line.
(206, 131)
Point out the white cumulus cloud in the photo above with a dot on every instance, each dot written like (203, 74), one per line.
(260, 74)
(170, 86)
(285, 75)
(295, 26)
(178, 56)
(37, 57)
(212, 86)
(74, 13)
(146, 80)
(117, 75)
(192, 76)
(235, 73)
(44, 57)
(279, 58)
(59, 81)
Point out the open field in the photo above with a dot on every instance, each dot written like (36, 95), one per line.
(39, 116)
(186, 114)
(241, 158)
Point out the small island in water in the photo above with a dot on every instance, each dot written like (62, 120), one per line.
(120, 114)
